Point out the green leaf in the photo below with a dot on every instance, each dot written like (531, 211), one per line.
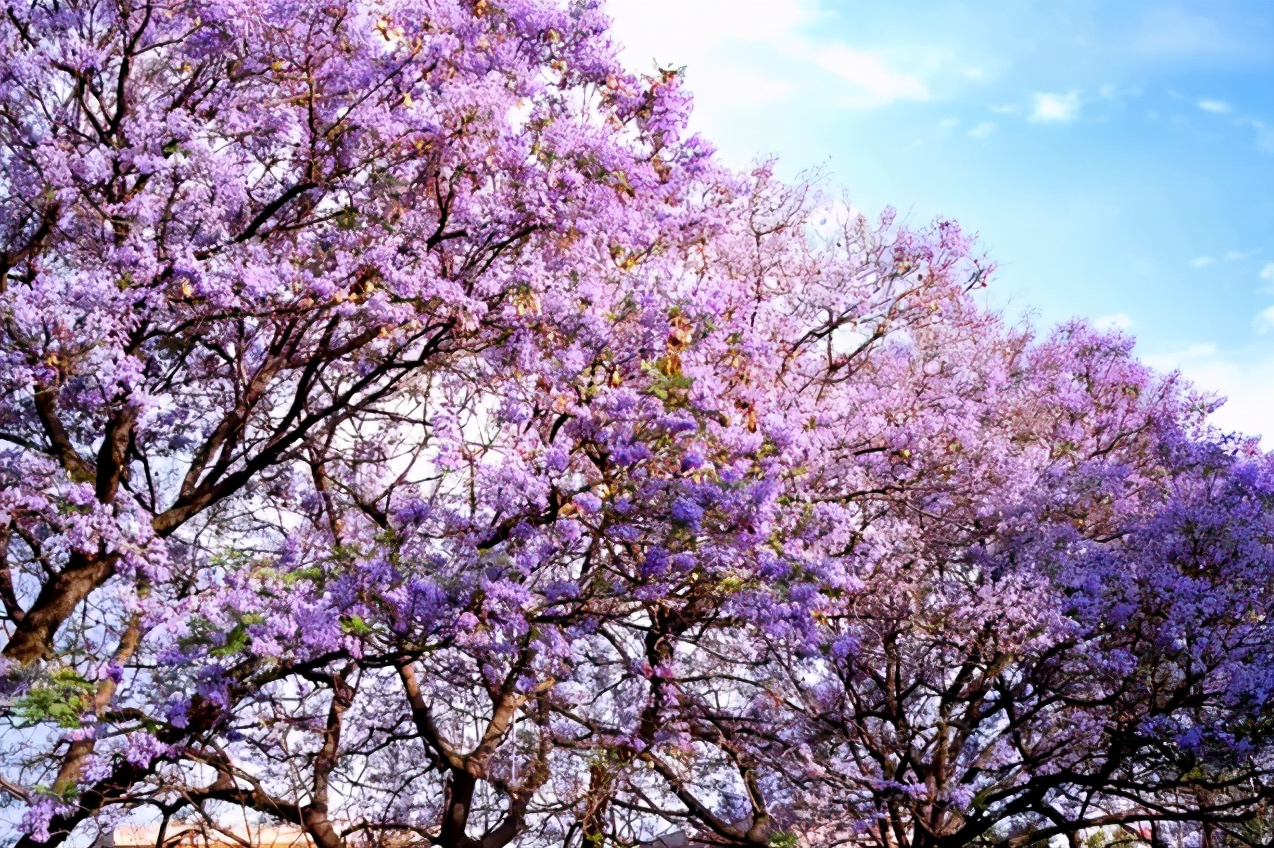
(355, 625)
(61, 699)
(236, 640)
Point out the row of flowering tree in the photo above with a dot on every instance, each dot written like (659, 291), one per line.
(410, 435)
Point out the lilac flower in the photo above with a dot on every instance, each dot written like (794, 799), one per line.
(368, 371)
(687, 512)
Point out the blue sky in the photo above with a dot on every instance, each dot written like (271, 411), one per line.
(1116, 158)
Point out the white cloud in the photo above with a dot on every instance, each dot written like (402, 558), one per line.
(1235, 255)
(1201, 261)
(1218, 106)
(758, 33)
(1264, 134)
(1244, 379)
(735, 85)
(1171, 32)
(982, 130)
(866, 71)
(1055, 108)
(689, 31)
(948, 123)
(1264, 321)
(1118, 321)
(1267, 273)
(1114, 92)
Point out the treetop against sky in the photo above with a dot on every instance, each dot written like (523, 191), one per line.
(1117, 158)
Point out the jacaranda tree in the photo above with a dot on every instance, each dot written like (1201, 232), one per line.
(409, 434)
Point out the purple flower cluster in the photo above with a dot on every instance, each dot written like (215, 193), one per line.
(407, 428)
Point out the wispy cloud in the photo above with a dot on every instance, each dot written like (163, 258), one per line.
(868, 73)
(742, 86)
(1264, 134)
(1243, 378)
(1118, 321)
(1201, 261)
(1264, 321)
(698, 28)
(1171, 32)
(982, 130)
(1218, 106)
(1267, 276)
(1055, 108)
(705, 40)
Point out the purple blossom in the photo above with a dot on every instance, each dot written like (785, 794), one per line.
(367, 373)
(687, 512)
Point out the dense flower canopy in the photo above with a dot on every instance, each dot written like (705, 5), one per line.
(410, 434)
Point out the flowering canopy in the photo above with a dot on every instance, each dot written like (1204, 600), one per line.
(410, 434)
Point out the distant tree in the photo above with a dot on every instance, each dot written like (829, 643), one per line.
(408, 433)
